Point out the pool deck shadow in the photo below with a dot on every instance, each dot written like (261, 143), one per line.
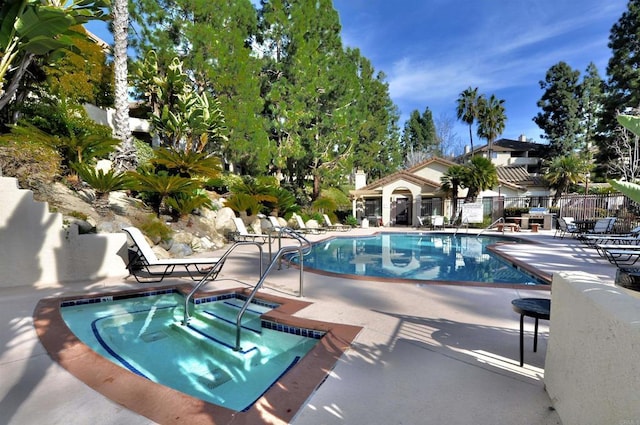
(427, 354)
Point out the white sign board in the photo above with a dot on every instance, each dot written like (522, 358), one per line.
(472, 212)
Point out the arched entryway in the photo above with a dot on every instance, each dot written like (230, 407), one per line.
(401, 207)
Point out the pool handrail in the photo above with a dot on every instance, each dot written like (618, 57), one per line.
(499, 220)
(284, 250)
(216, 269)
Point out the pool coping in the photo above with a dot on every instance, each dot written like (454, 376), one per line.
(279, 404)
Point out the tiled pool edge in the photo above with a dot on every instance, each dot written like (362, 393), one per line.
(165, 405)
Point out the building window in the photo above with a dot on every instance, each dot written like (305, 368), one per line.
(431, 206)
(373, 207)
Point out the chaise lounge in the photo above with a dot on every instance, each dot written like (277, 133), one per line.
(243, 235)
(143, 262)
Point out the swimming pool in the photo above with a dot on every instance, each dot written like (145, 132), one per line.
(141, 332)
(418, 257)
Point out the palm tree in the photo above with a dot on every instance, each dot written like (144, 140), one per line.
(563, 171)
(452, 180)
(125, 157)
(491, 120)
(480, 175)
(467, 110)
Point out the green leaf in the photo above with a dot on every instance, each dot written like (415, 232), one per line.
(631, 123)
(42, 45)
(632, 190)
(46, 22)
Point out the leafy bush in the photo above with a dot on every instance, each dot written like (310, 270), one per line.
(243, 203)
(155, 229)
(103, 184)
(32, 163)
(515, 211)
(351, 221)
(183, 204)
(158, 187)
(144, 152)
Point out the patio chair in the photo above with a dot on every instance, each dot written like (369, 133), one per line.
(143, 262)
(631, 238)
(437, 221)
(302, 227)
(620, 256)
(243, 235)
(423, 222)
(330, 226)
(563, 228)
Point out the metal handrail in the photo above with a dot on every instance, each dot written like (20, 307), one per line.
(216, 269)
(274, 261)
(501, 219)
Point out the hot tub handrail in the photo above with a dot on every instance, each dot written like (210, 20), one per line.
(216, 269)
(282, 251)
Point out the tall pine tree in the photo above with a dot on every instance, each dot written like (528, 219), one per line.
(213, 39)
(560, 116)
(622, 89)
(419, 134)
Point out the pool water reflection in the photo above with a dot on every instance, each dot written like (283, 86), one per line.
(418, 256)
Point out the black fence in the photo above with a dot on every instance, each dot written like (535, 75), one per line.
(580, 207)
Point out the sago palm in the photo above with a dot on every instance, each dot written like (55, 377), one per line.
(480, 175)
(564, 171)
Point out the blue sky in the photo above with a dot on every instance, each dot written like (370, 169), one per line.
(431, 50)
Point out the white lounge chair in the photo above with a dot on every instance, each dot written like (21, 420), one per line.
(437, 222)
(143, 262)
(244, 235)
(302, 227)
(330, 226)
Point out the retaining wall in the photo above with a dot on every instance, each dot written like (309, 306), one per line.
(592, 366)
(36, 249)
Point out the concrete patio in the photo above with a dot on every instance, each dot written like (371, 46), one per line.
(428, 354)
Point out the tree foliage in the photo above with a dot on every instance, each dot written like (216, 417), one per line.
(560, 104)
(491, 119)
(563, 171)
(419, 134)
(623, 70)
(479, 174)
(34, 29)
(467, 109)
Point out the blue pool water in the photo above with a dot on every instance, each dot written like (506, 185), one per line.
(144, 335)
(417, 256)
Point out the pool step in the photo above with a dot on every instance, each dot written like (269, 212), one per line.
(211, 340)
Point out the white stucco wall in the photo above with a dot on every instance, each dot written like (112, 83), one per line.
(37, 250)
(592, 367)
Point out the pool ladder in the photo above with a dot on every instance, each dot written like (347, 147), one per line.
(302, 249)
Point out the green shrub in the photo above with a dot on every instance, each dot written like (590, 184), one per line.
(515, 211)
(155, 228)
(32, 163)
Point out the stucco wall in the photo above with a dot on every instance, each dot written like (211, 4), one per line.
(592, 367)
(37, 250)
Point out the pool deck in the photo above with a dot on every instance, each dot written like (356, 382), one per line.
(427, 354)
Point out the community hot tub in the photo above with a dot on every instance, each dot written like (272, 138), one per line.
(263, 383)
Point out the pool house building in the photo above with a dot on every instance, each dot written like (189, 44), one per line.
(404, 196)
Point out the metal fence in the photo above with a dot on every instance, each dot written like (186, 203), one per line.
(580, 207)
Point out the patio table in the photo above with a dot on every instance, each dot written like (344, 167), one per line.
(538, 308)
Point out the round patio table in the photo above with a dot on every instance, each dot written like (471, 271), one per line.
(538, 308)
